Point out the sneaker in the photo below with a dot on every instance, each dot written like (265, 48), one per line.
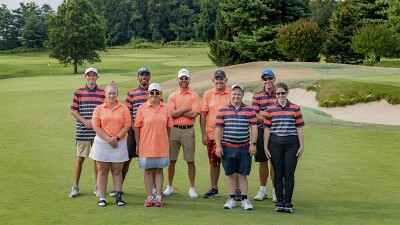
(274, 199)
(211, 193)
(246, 204)
(288, 207)
(261, 195)
(169, 191)
(101, 203)
(238, 195)
(149, 201)
(279, 207)
(192, 193)
(74, 192)
(113, 193)
(230, 204)
(159, 202)
(96, 191)
(118, 199)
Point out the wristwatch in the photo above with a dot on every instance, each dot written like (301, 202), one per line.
(254, 143)
(118, 138)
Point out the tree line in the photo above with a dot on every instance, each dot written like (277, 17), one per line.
(237, 31)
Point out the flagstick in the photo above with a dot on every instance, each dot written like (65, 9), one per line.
(49, 65)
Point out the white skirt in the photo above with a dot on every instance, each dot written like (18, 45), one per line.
(102, 151)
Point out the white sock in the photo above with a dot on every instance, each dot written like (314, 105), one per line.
(150, 197)
(102, 199)
(169, 187)
(192, 188)
(158, 197)
(263, 188)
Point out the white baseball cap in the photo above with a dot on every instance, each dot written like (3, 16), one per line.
(154, 86)
(237, 86)
(91, 69)
(183, 73)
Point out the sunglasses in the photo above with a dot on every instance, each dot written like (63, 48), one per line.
(267, 78)
(281, 93)
(183, 78)
(155, 92)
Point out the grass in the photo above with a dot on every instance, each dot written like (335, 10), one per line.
(162, 62)
(348, 174)
(333, 93)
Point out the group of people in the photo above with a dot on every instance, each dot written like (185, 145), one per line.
(270, 129)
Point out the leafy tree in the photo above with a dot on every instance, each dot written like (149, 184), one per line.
(139, 20)
(34, 32)
(322, 10)
(393, 22)
(182, 22)
(373, 41)
(301, 40)
(76, 33)
(250, 27)
(117, 15)
(204, 27)
(8, 32)
(23, 13)
(351, 14)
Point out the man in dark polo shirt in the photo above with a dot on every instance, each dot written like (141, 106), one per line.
(232, 138)
(85, 100)
(261, 100)
(135, 98)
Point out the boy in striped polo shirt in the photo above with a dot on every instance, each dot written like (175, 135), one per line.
(232, 138)
(85, 100)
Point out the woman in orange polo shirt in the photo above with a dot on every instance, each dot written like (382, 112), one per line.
(152, 127)
(111, 121)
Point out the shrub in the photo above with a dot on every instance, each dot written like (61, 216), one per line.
(301, 40)
(373, 41)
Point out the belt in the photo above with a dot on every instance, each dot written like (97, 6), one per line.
(183, 127)
(241, 145)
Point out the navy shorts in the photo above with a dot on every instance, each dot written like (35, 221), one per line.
(260, 155)
(131, 143)
(236, 160)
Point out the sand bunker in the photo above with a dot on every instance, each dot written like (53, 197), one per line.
(374, 112)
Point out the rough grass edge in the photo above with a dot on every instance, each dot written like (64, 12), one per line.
(340, 93)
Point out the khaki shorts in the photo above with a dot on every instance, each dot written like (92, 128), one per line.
(186, 139)
(83, 148)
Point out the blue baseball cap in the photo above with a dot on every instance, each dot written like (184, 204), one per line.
(143, 70)
(267, 72)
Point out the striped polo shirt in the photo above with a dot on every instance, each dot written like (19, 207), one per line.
(135, 98)
(235, 123)
(284, 120)
(84, 102)
(261, 100)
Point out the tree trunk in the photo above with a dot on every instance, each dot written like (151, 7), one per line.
(75, 67)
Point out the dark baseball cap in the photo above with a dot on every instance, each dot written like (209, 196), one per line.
(219, 73)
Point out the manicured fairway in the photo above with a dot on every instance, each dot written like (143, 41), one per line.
(349, 173)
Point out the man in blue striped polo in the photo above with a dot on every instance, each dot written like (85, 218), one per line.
(232, 139)
(85, 100)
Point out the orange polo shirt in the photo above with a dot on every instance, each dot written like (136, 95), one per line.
(180, 99)
(111, 120)
(211, 103)
(153, 124)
